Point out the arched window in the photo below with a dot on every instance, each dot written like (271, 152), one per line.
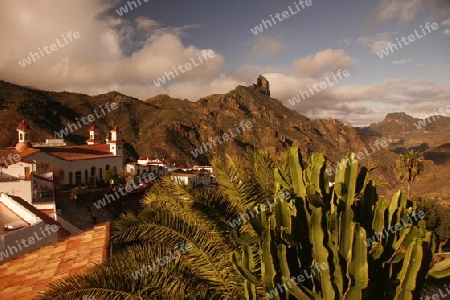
(93, 171)
(26, 136)
(21, 137)
(78, 178)
(107, 167)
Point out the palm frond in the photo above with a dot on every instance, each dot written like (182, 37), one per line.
(161, 222)
(176, 279)
(262, 171)
(234, 183)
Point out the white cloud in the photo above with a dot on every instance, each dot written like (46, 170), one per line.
(360, 104)
(323, 62)
(111, 51)
(376, 42)
(346, 41)
(401, 10)
(116, 54)
(266, 45)
(401, 62)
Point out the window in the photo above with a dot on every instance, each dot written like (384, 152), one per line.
(78, 178)
(21, 137)
(107, 167)
(93, 171)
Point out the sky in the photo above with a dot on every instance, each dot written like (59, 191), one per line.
(307, 43)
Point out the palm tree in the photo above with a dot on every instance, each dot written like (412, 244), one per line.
(409, 166)
(172, 215)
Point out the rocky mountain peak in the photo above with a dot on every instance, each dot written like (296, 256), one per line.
(262, 85)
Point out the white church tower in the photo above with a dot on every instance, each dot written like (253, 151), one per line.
(23, 131)
(116, 143)
(93, 136)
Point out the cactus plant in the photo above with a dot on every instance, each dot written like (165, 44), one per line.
(345, 227)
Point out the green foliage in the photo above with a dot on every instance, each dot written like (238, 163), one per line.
(319, 224)
(437, 216)
(409, 166)
(305, 223)
(109, 175)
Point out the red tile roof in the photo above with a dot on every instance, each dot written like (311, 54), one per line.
(116, 129)
(79, 152)
(23, 126)
(24, 277)
(93, 128)
(178, 174)
(12, 150)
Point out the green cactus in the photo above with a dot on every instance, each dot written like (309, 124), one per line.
(327, 225)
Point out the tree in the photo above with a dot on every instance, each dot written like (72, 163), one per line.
(109, 175)
(409, 166)
(436, 214)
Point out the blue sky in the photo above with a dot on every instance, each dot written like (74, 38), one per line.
(128, 53)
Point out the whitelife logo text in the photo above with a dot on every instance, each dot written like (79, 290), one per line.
(34, 56)
(411, 38)
(280, 17)
(188, 66)
(90, 118)
(383, 143)
(322, 85)
(423, 122)
(197, 151)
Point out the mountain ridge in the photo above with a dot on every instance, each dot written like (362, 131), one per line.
(172, 128)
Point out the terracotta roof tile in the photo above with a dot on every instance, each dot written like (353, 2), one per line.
(116, 129)
(23, 126)
(25, 276)
(93, 128)
(79, 152)
(12, 150)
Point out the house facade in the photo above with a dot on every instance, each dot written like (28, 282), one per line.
(74, 165)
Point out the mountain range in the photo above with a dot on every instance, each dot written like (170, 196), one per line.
(173, 128)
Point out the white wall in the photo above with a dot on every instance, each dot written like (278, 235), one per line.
(19, 210)
(185, 179)
(19, 188)
(79, 165)
(18, 169)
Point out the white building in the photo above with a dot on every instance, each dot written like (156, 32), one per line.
(74, 165)
(147, 165)
(189, 179)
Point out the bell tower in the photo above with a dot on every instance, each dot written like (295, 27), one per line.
(93, 136)
(23, 130)
(116, 143)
